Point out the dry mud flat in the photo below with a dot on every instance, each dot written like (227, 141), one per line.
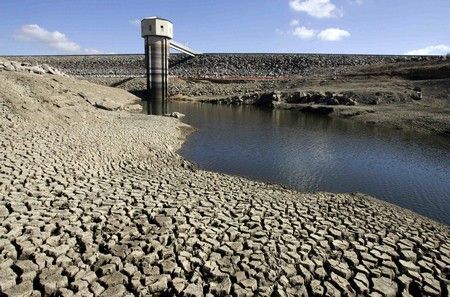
(97, 203)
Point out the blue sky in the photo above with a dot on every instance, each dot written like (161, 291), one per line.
(285, 26)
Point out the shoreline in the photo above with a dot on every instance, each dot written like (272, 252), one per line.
(401, 92)
(95, 200)
(186, 132)
(189, 130)
(381, 101)
(382, 116)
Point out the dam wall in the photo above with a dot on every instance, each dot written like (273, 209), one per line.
(218, 65)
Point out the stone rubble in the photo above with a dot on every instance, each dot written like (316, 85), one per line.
(281, 99)
(219, 65)
(7, 65)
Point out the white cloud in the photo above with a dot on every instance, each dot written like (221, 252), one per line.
(294, 23)
(55, 40)
(333, 34)
(135, 22)
(359, 2)
(440, 49)
(316, 8)
(304, 33)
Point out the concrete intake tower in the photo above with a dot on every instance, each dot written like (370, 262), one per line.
(158, 35)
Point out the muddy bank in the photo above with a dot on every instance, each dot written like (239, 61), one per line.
(97, 202)
(383, 100)
(401, 92)
(406, 110)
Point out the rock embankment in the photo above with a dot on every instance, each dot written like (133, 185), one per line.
(26, 66)
(218, 65)
(292, 98)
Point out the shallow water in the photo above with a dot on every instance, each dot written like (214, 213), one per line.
(316, 153)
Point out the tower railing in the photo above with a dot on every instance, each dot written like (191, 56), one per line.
(182, 48)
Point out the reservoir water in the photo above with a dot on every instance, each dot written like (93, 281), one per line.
(318, 153)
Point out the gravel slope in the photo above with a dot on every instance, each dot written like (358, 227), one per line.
(97, 203)
(218, 65)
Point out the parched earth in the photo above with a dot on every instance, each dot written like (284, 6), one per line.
(95, 202)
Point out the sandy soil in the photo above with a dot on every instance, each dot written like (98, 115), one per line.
(95, 201)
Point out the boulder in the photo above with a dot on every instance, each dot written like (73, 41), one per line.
(177, 115)
(37, 70)
(107, 105)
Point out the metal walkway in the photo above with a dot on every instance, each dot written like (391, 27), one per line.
(182, 48)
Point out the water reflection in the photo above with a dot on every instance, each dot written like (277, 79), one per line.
(311, 153)
(155, 107)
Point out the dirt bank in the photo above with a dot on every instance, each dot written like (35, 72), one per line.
(410, 96)
(94, 201)
(400, 92)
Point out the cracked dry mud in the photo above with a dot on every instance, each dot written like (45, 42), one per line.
(103, 206)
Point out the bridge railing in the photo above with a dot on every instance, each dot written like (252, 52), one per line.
(182, 48)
